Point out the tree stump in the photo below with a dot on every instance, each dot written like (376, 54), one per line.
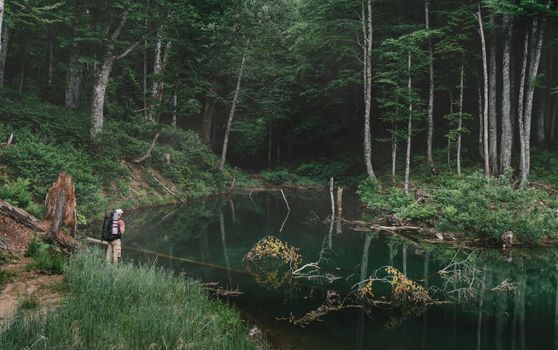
(60, 205)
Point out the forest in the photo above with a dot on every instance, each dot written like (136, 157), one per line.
(436, 118)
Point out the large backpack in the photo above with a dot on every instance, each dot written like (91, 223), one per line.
(106, 234)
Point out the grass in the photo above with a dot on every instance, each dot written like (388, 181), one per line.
(128, 307)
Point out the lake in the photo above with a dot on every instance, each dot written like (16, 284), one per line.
(500, 301)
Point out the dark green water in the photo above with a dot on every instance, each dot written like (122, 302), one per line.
(211, 237)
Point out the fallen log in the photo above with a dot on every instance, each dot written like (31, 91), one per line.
(22, 216)
(394, 228)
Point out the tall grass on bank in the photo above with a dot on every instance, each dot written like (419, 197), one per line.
(128, 307)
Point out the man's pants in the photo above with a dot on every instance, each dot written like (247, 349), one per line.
(114, 251)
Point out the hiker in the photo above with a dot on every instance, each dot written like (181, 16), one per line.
(114, 248)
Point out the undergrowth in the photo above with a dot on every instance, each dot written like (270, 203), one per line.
(128, 307)
(470, 204)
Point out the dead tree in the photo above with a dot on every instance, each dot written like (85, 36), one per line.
(60, 203)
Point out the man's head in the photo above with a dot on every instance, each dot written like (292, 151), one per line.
(119, 211)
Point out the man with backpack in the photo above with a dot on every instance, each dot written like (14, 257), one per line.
(113, 228)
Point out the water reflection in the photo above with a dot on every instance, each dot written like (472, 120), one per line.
(210, 237)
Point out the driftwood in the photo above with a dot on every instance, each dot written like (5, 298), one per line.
(149, 150)
(60, 203)
(165, 187)
(8, 141)
(22, 216)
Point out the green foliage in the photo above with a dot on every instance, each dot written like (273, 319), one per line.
(47, 257)
(473, 205)
(282, 176)
(50, 140)
(322, 170)
(150, 307)
(4, 277)
(29, 302)
(17, 193)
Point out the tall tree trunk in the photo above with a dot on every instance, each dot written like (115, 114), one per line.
(74, 78)
(393, 154)
(3, 53)
(449, 134)
(102, 79)
(493, 100)
(485, 111)
(367, 75)
(269, 141)
(21, 78)
(541, 115)
(409, 129)
(430, 87)
(481, 119)
(98, 99)
(174, 106)
(520, 107)
(460, 123)
(533, 72)
(553, 119)
(208, 112)
(157, 64)
(1, 22)
(233, 107)
(50, 71)
(507, 130)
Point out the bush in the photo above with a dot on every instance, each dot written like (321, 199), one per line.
(47, 258)
(322, 170)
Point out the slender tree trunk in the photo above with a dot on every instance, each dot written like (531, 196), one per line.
(269, 141)
(174, 106)
(409, 130)
(21, 78)
(233, 107)
(367, 72)
(493, 100)
(208, 112)
(460, 123)
(533, 72)
(145, 103)
(481, 118)
(393, 154)
(3, 53)
(553, 119)
(449, 136)
(507, 130)
(430, 88)
(74, 78)
(50, 71)
(1, 23)
(520, 106)
(485, 112)
(157, 65)
(98, 99)
(541, 115)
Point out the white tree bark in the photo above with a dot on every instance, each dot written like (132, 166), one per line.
(367, 75)
(157, 64)
(409, 130)
(98, 99)
(520, 106)
(1, 21)
(460, 123)
(485, 111)
(533, 72)
(233, 107)
(174, 107)
(492, 101)
(430, 88)
(507, 130)
(102, 78)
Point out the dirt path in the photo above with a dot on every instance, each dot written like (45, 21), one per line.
(34, 289)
